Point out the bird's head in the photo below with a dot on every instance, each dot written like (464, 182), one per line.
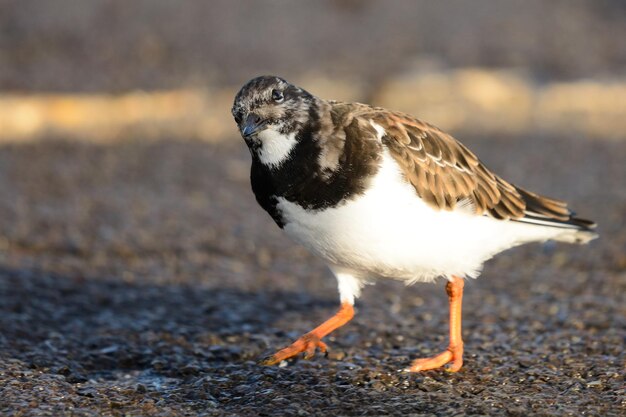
(270, 113)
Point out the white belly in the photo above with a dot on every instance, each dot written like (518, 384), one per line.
(390, 232)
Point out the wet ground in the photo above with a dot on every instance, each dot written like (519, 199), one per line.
(142, 279)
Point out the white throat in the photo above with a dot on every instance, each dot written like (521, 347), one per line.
(275, 147)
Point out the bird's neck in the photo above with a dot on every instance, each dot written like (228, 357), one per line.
(277, 145)
(322, 168)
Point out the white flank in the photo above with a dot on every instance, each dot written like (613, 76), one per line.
(390, 232)
(275, 147)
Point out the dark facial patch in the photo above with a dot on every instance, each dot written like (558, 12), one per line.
(258, 96)
(304, 178)
(301, 180)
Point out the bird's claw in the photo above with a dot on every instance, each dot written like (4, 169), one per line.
(308, 344)
(453, 356)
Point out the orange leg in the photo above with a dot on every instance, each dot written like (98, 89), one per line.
(454, 353)
(313, 339)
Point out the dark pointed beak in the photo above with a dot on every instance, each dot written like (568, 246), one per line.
(251, 125)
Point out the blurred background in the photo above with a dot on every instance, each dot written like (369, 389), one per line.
(102, 67)
(138, 274)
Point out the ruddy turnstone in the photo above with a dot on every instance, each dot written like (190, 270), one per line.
(380, 194)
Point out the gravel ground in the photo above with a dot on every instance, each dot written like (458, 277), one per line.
(140, 278)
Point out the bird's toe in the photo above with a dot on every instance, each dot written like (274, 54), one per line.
(306, 344)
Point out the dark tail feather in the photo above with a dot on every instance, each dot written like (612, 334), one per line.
(545, 211)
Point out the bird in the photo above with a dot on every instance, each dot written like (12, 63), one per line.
(379, 194)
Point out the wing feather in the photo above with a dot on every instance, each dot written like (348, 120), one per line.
(444, 172)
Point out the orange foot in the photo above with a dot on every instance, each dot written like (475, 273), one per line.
(313, 340)
(307, 344)
(454, 353)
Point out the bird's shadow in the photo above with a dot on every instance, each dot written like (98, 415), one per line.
(101, 325)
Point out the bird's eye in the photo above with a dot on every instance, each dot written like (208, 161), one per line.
(238, 118)
(277, 96)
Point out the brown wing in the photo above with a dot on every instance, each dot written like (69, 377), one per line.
(445, 173)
